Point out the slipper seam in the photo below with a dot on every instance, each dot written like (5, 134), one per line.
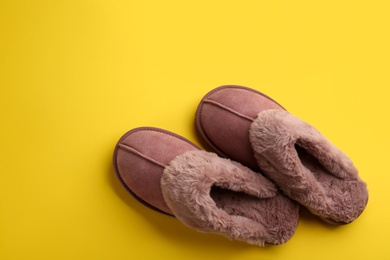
(161, 131)
(203, 133)
(244, 88)
(138, 153)
(209, 101)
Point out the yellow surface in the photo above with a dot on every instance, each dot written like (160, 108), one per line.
(76, 75)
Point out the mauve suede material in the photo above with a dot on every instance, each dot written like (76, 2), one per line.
(251, 128)
(137, 157)
(224, 117)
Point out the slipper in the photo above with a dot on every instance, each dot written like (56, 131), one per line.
(208, 193)
(251, 128)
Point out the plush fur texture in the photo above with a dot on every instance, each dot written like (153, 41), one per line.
(307, 167)
(212, 194)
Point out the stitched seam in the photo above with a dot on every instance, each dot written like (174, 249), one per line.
(161, 131)
(228, 109)
(134, 151)
(202, 132)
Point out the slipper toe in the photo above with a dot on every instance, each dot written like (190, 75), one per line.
(223, 119)
(139, 159)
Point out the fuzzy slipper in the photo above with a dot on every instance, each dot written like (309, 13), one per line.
(251, 128)
(208, 193)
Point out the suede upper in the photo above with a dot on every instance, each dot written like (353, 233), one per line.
(140, 157)
(224, 117)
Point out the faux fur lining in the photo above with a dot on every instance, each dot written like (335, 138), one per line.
(307, 167)
(244, 205)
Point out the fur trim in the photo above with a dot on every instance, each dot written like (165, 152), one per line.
(212, 194)
(307, 167)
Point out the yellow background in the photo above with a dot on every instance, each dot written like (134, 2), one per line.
(76, 75)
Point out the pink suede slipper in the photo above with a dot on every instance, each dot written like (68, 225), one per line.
(208, 193)
(251, 128)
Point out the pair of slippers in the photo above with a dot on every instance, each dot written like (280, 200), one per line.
(276, 162)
